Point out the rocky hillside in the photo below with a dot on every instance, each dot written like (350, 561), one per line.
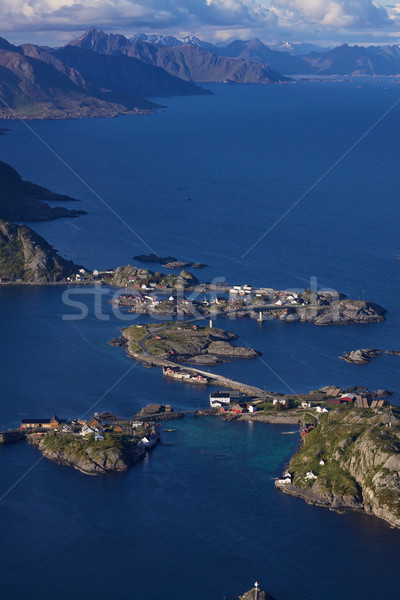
(23, 200)
(351, 460)
(25, 255)
(36, 84)
(125, 74)
(114, 453)
(187, 61)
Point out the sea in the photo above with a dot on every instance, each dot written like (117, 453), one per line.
(284, 186)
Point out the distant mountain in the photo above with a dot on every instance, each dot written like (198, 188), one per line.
(173, 42)
(342, 60)
(156, 38)
(36, 83)
(296, 48)
(124, 75)
(309, 59)
(25, 201)
(351, 60)
(187, 61)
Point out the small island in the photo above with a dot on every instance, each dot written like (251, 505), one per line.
(364, 356)
(102, 444)
(181, 342)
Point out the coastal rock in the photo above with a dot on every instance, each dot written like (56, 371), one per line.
(205, 359)
(351, 311)
(361, 357)
(187, 279)
(256, 594)
(224, 349)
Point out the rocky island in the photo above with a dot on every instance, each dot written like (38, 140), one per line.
(364, 356)
(96, 448)
(350, 460)
(169, 262)
(181, 343)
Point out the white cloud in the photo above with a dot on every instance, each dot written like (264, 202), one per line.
(214, 19)
(332, 13)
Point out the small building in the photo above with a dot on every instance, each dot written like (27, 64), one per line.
(251, 408)
(217, 399)
(154, 409)
(95, 424)
(282, 401)
(322, 409)
(98, 437)
(86, 430)
(51, 423)
(310, 476)
(305, 404)
(284, 480)
(348, 398)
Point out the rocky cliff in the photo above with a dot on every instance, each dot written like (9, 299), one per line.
(26, 256)
(351, 460)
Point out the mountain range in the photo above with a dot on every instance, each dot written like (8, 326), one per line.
(104, 75)
(191, 58)
(189, 61)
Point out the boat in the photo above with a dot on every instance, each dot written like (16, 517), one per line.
(169, 430)
(223, 456)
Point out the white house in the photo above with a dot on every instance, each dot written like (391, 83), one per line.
(285, 480)
(98, 437)
(322, 409)
(251, 408)
(220, 398)
(280, 400)
(306, 404)
(310, 475)
(86, 430)
(322, 462)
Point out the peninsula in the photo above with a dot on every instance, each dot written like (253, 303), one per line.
(349, 459)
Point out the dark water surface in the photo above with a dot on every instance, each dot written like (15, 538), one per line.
(202, 181)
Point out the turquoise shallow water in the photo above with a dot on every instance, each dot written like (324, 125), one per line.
(183, 523)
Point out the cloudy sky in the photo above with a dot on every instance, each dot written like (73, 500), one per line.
(319, 21)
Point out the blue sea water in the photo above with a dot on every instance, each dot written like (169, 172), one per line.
(202, 180)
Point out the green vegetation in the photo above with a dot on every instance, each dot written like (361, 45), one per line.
(77, 445)
(12, 261)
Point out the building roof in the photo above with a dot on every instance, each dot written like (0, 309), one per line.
(25, 421)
